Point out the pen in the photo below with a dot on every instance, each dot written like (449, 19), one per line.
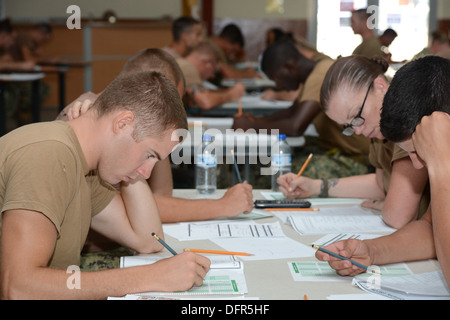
(292, 209)
(231, 253)
(164, 244)
(236, 166)
(304, 166)
(341, 257)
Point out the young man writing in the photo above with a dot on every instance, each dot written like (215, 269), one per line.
(57, 181)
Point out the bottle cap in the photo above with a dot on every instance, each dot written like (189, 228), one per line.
(281, 137)
(207, 137)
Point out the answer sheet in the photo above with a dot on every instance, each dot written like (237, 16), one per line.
(211, 230)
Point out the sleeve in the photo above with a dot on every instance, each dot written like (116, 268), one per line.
(42, 177)
(398, 153)
(102, 194)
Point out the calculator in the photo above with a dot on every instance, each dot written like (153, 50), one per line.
(282, 203)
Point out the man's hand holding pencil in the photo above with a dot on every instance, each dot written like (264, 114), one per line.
(353, 249)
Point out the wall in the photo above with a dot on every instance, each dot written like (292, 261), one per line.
(127, 9)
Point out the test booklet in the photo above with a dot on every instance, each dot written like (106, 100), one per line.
(225, 277)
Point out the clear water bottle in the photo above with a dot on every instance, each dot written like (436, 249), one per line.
(206, 167)
(281, 160)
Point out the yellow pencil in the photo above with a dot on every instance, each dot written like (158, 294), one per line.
(304, 166)
(231, 253)
(240, 108)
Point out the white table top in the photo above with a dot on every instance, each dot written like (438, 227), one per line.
(271, 279)
(21, 76)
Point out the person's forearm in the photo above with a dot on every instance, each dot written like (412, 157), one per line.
(362, 186)
(161, 179)
(292, 121)
(406, 188)
(411, 243)
(440, 207)
(143, 214)
(48, 283)
(178, 209)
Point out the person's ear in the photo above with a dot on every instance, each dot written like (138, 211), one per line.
(381, 85)
(123, 121)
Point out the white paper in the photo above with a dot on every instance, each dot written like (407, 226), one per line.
(429, 285)
(321, 271)
(225, 276)
(266, 248)
(332, 238)
(325, 224)
(211, 230)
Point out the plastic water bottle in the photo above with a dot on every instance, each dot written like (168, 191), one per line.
(281, 160)
(206, 167)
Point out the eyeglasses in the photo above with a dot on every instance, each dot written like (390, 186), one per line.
(357, 121)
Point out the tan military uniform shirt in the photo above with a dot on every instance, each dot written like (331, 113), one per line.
(43, 169)
(369, 48)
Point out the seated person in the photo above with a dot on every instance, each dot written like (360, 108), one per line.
(306, 50)
(6, 42)
(439, 43)
(15, 93)
(187, 33)
(353, 92)
(238, 199)
(57, 182)
(283, 63)
(230, 43)
(200, 65)
(27, 45)
(418, 99)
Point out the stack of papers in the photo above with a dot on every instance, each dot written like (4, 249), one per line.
(423, 286)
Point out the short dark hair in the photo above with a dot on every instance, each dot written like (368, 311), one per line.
(284, 64)
(182, 25)
(418, 89)
(390, 33)
(362, 14)
(233, 34)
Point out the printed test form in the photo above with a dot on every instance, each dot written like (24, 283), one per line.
(199, 231)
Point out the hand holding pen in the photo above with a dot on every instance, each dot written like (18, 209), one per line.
(342, 256)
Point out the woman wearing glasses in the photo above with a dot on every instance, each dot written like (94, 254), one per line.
(352, 95)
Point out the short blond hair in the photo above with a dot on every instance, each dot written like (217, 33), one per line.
(151, 96)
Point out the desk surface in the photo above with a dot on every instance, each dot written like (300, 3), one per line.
(271, 279)
(18, 77)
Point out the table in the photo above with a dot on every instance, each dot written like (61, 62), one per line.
(61, 68)
(34, 78)
(251, 103)
(271, 279)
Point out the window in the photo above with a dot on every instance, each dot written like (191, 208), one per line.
(409, 18)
